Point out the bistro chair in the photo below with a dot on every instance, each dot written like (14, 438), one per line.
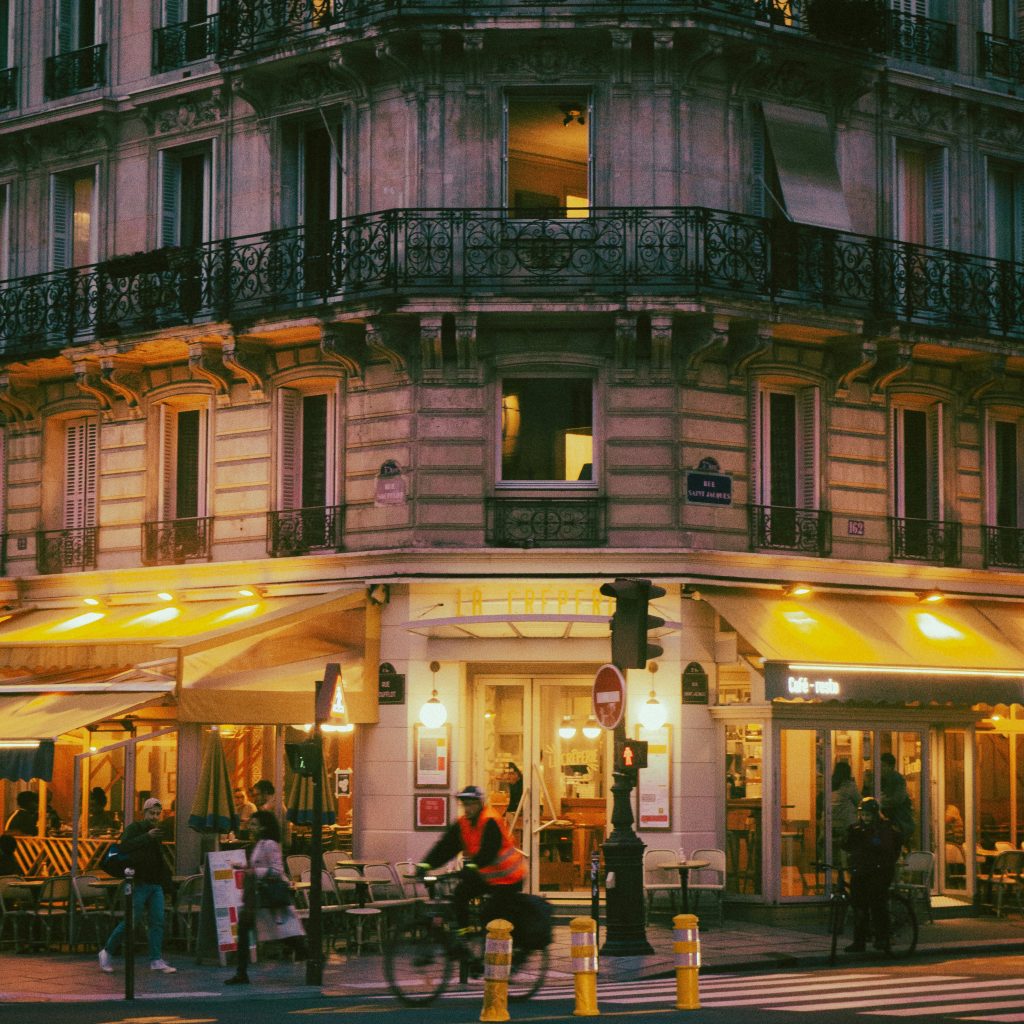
(50, 912)
(332, 910)
(916, 876)
(14, 902)
(660, 875)
(295, 864)
(331, 858)
(188, 905)
(92, 911)
(709, 881)
(1008, 881)
(388, 894)
(408, 877)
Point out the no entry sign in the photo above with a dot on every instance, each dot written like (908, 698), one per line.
(609, 696)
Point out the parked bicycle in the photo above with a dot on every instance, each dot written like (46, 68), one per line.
(902, 918)
(420, 960)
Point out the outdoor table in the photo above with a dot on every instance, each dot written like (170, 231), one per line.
(362, 887)
(684, 867)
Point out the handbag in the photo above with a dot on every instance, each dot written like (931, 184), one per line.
(273, 892)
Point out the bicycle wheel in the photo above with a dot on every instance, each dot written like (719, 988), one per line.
(529, 969)
(902, 926)
(417, 969)
(837, 911)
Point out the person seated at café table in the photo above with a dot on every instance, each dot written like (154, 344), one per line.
(8, 864)
(244, 808)
(101, 819)
(25, 820)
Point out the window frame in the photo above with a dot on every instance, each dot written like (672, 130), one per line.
(935, 192)
(934, 457)
(292, 171)
(67, 30)
(1014, 178)
(62, 190)
(6, 191)
(807, 442)
(166, 490)
(1015, 418)
(168, 216)
(290, 398)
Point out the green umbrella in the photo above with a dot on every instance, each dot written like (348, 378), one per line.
(213, 809)
(300, 800)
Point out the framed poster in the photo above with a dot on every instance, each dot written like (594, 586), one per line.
(430, 813)
(654, 787)
(431, 755)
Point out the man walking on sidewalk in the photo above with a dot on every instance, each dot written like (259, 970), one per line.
(142, 844)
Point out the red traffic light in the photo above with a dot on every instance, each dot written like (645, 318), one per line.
(631, 647)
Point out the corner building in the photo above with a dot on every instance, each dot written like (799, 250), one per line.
(384, 334)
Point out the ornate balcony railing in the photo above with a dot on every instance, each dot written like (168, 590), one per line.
(614, 252)
(806, 530)
(174, 46)
(546, 522)
(68, 73)
(1000, 58)
(8, 88)
(922, 40)
(1004, 547)
(59, 550)
(250, 25)
(925, 540)
(174, 541)
(298, 531)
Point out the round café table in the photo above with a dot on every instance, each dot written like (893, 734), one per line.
(684, 867)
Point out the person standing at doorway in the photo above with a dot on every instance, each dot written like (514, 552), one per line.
(895, 798)
(873, 845)
(845, 802)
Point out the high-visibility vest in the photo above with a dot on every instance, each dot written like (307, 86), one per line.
(509, 866)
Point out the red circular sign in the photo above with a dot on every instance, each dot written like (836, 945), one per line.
(609, 696)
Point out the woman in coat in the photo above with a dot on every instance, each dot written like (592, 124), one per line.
(270, 922)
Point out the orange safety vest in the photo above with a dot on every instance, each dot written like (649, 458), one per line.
(509, 866)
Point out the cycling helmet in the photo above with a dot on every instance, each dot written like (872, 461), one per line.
(869, 805)
(470, 793)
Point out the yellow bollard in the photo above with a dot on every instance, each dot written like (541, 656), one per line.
(584, 965)
(497, 964)
(686, 946)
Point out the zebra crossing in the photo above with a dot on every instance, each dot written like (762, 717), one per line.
(878, 994)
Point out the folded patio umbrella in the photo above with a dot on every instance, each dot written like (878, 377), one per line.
(213, 809)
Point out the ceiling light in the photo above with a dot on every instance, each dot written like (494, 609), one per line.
(931, 597)
(591, 729)
(164, 596)
(796, 590)
(93, 602)
(567, 730)
(653, 713)
(572, 112)
(434, 714)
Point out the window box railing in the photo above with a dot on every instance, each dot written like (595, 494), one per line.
(691, 251)
(174, 46)
(8, 88)
(1004, 547)
(250, 25)
(298, 531)
(174, 541)
(921, 40)
(60, 550)
(806, 530)
(925, 540)
(68, 73)
(1000, 58)
(546, 522)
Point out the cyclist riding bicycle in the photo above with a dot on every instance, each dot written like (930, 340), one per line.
(873, 845)
(492, 865)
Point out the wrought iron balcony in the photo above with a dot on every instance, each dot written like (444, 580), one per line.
(250, 25)
(925, 540)
(68, 73)
(8, 88)
(614, 252)
(806, 530)
(1004, 547)
(298, 531)
(1000, 58)
(60, 550)
(922, 40)
(174, 46)
(174, 541)
(546, 522)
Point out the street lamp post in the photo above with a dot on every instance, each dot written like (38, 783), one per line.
(314, 924)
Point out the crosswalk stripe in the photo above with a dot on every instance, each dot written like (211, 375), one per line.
(895, 997)
(888, 990)
(1003, 1004)
(1000, 1018)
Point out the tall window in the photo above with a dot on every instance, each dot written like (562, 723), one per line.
(786, 447)
(1003, 17)
(306, 450)
(6, 42)
(547, 155)
(73, 219)
(1006, 212)
(1004, 470)
(547, 430)
(78, 506)
(77, 24)
(5, 231)
(186, 188)
(921, 200)
(194, 38)
(183, 460)
(917, 462)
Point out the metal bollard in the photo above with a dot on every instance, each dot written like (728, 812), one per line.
(129, 933)
(686, 946)
(584, 965)
(497, 966)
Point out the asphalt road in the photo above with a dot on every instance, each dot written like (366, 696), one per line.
(980, 989)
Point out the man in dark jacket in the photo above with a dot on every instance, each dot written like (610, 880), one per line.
(141, 842)
(873, 845)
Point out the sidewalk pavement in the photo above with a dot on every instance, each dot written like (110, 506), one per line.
(794, 940)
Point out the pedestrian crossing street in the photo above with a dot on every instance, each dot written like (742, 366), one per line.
(886, 995)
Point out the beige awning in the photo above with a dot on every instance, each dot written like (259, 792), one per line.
(804, 151)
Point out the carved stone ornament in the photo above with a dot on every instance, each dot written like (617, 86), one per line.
(549, 60)
(1001, 127)
(920, 111)
(188, 112)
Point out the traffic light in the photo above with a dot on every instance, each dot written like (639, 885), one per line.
(630, 623)
(630, 755)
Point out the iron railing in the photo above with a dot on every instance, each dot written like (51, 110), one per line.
(59, 550)
(806, 530)
(922, 40)
(925, 540)
(546, 522)
(174, 541)
(8, 88)
(1000, 58)
(174, 46)
(1004, 547)
(68, 73)
(301, 530)
(614, 252)
(250, 25)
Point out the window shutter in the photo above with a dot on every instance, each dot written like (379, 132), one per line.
(3, 483)
(5, 232)
(80, 455)
(896, 461)
(170, 199)
(72, 483)
(187, 481)
(935, 193)
(60, 222)
(809, 412)
(291, 178)
(314, 451)
(172, 12)
(5, 30)
(759, 475)
(89, 472)
(168, 444)
(936, 504)
(290, 449)
(758, 166)
(67, 25)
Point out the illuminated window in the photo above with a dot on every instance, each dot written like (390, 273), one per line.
(547, 432)
(73, 219)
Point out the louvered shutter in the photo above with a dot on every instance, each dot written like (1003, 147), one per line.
(60, 222)
(758, 165)
(896, 461)
(291, 178)
(90, 454)
(172, 12)
(170, 199)
(80, 456)
(935, 198)
(188, 467)
(759, 475)
(5, 232)
(3, 483)
(67, 25)
(919, 8)
(314, 450)
(168, 458)
(809, 419)
(289, 411)
(5, 30)
(936, 504)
